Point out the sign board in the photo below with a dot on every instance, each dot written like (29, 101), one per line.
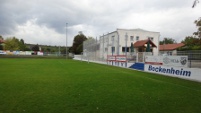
(180, 72)
(117, 58)
(111, 58)
(121, 58)
(181, 61)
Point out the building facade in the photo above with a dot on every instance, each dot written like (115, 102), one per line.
(119, 42)
(170, 49)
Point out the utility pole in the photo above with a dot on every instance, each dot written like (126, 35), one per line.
(66, 42)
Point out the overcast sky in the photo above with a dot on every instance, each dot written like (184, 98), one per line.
(44, 21)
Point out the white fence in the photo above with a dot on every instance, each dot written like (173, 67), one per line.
(180, 72)
(20, 53)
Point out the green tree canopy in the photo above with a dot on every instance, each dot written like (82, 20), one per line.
(12, 44)
(194, 42)
(78, 43)
(168, 41)
(35, 48)
(198, 24)
(1, 38)
(22, 45)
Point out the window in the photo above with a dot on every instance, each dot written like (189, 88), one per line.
(112, 39)
(105, 49)
(137, 38)
(124, 49)
(131, 38)
(112, 49)
(151, 38)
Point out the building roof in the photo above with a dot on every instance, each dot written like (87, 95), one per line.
(138, 29)
(141, 43)
(2, 41)
(169, 47)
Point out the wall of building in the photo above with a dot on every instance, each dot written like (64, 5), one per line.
(142, 34)
(117, 40)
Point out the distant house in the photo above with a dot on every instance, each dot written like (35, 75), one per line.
(1, 41)
(1, 44)
(169, 49)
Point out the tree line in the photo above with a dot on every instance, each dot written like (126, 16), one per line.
(15, 44)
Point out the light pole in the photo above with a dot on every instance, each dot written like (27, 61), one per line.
(66, 40)
(126, 39)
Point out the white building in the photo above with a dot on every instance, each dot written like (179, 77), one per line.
(116, 43)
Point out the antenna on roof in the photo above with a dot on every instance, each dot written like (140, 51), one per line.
(194, 3)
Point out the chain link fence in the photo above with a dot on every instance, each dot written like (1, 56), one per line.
(91, 50)
(194, 57)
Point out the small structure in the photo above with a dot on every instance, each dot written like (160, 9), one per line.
(144, 45)
(170, 49)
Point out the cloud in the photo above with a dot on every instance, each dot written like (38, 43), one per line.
(44, 21)
(35, 34)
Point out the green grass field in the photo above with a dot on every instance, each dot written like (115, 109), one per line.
(68, 86)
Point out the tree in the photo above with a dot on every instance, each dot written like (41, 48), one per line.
(167, 41)
(12, 44)
(35, 48)
(22, 45)
(79, 49)
(1, 39)
(78, 41)
(198, 24)
(192, 43)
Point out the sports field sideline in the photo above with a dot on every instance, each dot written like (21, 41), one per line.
(68, 86)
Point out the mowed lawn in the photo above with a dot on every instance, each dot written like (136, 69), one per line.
(68, 86)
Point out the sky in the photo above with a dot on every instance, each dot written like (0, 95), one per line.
(51, 22)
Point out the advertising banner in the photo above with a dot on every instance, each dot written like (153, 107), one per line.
(111, 58)
(40, 53)
(180, 61)
(181, 72)
(16, 52)
(117, 58)
(2, 52)
(9, 53)
(28, 52)
(22, 53)
(175, 61)
(154, 60)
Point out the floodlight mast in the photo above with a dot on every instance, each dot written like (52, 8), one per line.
(66, 40)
